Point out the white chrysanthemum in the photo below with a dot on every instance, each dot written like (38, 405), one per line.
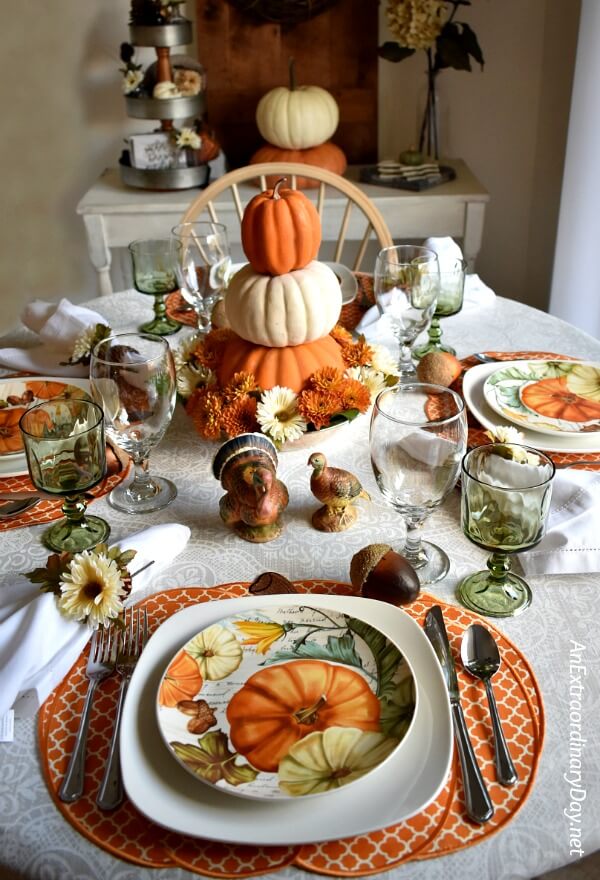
(374, 380)
(92, 589)
(383, 360)
(131, 81)
(278, 416)
(84, 343)
(189, 379)
(505, 434)
(187, 137)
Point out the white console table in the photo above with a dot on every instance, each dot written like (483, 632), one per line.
(115, 214)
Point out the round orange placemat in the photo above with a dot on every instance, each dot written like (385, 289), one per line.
(477, 435)
(440, 829)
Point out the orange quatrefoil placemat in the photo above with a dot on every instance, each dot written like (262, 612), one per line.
(477, 435)
(438, 830)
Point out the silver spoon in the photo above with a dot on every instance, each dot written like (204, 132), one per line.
(480, 656)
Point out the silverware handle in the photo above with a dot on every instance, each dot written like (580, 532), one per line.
(72, 784)
(505, 769)
(110, 794)
(477, 800)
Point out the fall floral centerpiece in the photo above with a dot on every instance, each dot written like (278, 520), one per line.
(282, 364)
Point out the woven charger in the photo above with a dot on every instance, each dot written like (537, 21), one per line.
(477, 434)
(440, 829)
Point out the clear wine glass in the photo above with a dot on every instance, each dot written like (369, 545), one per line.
(449, 302)
(203, 266)
(154, 263)
(66, 455)
(133, 377)
(417, 440)
(406, 284)
(506, 490)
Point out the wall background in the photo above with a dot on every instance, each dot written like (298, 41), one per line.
(64, 121)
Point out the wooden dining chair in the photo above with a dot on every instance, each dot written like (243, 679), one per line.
(347, 215)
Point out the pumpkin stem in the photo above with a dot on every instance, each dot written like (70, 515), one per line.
(276, 187)
(308, 715)
(292, 74)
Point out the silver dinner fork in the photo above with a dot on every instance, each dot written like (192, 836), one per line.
(132, 642)
(101, 664)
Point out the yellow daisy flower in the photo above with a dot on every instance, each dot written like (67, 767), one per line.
(92, 589)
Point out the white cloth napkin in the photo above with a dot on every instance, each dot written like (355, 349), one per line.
(447, 250)
(58, 327)
(38, 645)
(572, 540)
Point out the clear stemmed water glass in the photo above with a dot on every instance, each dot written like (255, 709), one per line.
(449, 302)
(66, 456)
(406, 283)
(506, 490)
(203, 266)
(417, 440)
(132, 376)
(154, 262)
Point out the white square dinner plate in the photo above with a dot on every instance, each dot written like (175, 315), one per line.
(472, 388)
(168, 795)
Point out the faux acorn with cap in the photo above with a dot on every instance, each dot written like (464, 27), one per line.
(379, 572)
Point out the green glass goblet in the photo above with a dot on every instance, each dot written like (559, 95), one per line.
(449, 302)
(66, 456)
(506, 491)
(154, 264)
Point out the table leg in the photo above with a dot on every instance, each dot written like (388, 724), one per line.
(475, 215)
(99, 251)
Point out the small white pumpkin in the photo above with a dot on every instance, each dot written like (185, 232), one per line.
(165, 89)
(281, 310)
(298, 117)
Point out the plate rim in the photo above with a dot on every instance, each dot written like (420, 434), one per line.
(176, 804)
(18, 459)
(235, 792)
(474, 377)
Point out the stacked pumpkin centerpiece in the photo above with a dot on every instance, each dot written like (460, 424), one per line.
(282, 365)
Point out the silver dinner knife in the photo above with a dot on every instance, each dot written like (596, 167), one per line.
(477, 800)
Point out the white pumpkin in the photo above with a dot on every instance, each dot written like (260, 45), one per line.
(296, 119)
(165, 89)
(281, 310)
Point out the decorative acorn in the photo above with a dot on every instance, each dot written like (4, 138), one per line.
(337, 489)
(378, 572)
(246, 467)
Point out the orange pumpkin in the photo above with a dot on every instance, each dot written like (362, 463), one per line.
(281, 704)
(553, 398)
(10, 435)
(281, 231)
(326, 155)
(182, 681)
(290, 366)
(46, 390)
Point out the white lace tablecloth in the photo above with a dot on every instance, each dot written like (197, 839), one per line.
(35, 840)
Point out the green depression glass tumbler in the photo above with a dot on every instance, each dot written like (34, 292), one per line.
(505, 499)
(66, 456)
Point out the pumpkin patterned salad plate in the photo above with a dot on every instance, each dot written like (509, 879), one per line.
(547, 396)
(285, 702)
(17, 395)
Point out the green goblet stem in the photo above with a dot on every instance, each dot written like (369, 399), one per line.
(434, 342)
(77, 531)
(497, 592)
(161, 324)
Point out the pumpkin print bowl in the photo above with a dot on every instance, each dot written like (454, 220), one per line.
(286, 702)
(551, 397)
(17, 395)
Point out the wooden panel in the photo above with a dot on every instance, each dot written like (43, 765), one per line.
(336, 50)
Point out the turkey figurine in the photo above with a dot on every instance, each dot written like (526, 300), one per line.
(337, 490)
(246, 466)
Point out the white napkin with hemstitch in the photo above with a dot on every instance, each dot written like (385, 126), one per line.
(572, 541)
(58, 326)
(38, 645)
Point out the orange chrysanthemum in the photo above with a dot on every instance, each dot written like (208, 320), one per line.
(318, 407)
(355, 395)
(357, 354)
(206, 410)
(326, 379)
(341, 335)
(239, 417)
(239, 385)
(209, 352)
